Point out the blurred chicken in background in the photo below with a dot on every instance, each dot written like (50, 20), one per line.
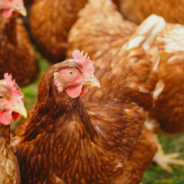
(50, 22)
(99, 28)
(137, 10)
(106, 30)
(16, 52)
(168, 110)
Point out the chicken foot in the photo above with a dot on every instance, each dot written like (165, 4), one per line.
(163, 159)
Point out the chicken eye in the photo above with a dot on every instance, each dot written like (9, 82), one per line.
(71, 73)
(1, 97)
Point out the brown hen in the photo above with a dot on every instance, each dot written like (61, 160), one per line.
(107, 38)
(63, 141)
(16, 52)
(11, 106)
(137, 10)
(50, 23)
(168, 110)
(99, 28)
(169, 107)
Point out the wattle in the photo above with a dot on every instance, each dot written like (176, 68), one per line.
(5, 117)
(15, 116)
(74, 91)
(15, 14)
(7, 13)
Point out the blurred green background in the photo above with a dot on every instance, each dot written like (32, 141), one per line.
(170, 144)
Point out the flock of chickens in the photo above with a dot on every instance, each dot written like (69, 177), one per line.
(106, 133)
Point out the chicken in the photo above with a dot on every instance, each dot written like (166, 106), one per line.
(16, 53)
(107, 32)
(168, 110)
(11, 106)
(50, 23)
(63, 141)
(169, 105)
(104, 27)
(137, 10)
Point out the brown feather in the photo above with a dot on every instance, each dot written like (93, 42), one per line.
(107, 31)
(9, 166)
(100, 135)
(16, 53)
(138, 10)
(50, 24)
(77, 136)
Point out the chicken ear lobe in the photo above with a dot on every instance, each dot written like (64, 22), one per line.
(5, 117)
(57, 78)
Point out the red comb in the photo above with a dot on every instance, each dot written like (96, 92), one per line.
(84, 61)
(11, 86)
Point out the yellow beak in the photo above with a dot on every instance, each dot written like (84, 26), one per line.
(21, 9)
(20, 109)
(92, 81)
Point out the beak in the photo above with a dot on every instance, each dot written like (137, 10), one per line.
(92, 81)
(21, 9)
(20, 109)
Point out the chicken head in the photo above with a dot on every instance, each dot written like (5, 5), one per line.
(76, 75)
(11, 103)
(12, 7)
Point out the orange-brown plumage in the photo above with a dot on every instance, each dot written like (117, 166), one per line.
(50, 22)
(169, 109)
(98, 29)
(9, 166)
(110, 40)
(107, 33)
(16, 52)
(140, 158)
(137, 10)
(117, 67)
(67, 141)
(71, 134)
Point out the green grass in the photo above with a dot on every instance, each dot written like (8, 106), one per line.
(155, 175)
(170, 144)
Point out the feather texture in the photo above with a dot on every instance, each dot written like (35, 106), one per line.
(50, 23)
(171, 11)
(16, 53)
(66, 141)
